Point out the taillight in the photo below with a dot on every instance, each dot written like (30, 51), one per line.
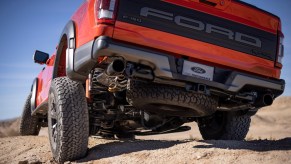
(280, 54)
(105, 11)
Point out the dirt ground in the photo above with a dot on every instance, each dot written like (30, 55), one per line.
(268, 141)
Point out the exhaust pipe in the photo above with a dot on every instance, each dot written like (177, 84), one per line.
(112, 77)
(264, 100)
(115, 68)
(268, 99)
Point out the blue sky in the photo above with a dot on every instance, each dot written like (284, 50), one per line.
(35, 24)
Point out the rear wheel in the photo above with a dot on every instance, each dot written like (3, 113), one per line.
(29, 125)
(68, 121)
(224, 126)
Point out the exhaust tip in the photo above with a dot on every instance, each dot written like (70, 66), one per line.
(118, 65)
(268, 99)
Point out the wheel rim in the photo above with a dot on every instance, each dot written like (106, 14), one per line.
(53, 121)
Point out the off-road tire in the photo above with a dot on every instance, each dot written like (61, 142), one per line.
(141, 94)
(29, 125)
(225, 126)
(68, 120)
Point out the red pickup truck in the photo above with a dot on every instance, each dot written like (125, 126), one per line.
(143, 67)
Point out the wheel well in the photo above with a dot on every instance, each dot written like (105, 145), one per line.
(67, 42)
(62, 59)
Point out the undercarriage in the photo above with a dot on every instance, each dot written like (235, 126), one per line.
(123, 101)
(111, 112)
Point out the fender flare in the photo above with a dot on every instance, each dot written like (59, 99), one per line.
(68, 37)
(33, 95)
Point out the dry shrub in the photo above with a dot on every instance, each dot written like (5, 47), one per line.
(9, 128)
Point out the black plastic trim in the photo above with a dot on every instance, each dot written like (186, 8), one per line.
(41, 109)
(83, 60)
(68, 35)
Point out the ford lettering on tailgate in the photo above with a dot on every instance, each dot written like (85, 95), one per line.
(200, 26)
(196, 25)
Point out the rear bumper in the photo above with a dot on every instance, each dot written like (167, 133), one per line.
(166, 68)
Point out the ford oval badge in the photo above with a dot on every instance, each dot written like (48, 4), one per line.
(198, 70)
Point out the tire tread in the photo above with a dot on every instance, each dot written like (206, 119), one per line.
(29, 125)
(72, 119)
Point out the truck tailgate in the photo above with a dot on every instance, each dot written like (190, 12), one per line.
(218, 36)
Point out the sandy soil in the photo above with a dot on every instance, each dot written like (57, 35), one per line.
(268, 141)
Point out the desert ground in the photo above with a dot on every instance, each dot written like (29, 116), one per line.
(268, 141)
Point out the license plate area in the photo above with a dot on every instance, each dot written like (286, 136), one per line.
(197, 70)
